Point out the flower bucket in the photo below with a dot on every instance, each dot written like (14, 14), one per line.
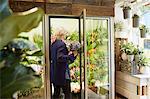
(126, 13)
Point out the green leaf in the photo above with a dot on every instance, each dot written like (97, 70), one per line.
(2, 64)
(14, 24)
(17, 77)
(35, 53)
(23, 44)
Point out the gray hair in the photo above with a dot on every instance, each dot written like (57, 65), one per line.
(61, 33)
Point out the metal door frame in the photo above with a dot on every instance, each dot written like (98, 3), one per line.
(47, 49)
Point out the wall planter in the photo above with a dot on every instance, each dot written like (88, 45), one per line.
(136, 20)
(143, 31)
(126, 12)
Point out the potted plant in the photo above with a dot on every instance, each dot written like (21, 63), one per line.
(143, 31)
(143, 64)
(128, 48)
(135, 20)
(137, 54)
(126, 12)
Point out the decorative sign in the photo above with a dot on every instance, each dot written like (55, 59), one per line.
(147, 44)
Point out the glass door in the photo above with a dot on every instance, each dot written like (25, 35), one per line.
(99, 58)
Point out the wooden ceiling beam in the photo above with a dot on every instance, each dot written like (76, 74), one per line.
(84, 2)
(64, 8)
(93, 10)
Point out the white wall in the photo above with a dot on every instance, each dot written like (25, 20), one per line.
(129, 32)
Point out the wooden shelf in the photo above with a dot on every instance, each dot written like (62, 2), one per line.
(133, 86)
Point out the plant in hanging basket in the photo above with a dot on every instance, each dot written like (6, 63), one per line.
(126, 12)
(143, 31)
(135, 19)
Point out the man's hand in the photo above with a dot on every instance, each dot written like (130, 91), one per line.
(75, 52)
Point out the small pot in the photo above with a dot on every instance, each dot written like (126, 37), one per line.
(126, 13)
(136, 21)
(142, 33)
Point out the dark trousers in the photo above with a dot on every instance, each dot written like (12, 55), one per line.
(66, 90)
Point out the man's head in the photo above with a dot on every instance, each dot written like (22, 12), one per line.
(60, 34)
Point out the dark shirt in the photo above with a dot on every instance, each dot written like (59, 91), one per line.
(59, 62)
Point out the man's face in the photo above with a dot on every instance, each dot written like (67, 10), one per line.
(53, 38)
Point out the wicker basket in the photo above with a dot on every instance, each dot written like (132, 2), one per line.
(129, 67)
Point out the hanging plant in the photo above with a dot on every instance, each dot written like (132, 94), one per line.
(135, 20)
(143, 31)
(126, 12)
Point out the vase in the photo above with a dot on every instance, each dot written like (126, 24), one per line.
(130, 58)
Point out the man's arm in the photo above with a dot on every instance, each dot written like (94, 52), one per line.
(62, 57)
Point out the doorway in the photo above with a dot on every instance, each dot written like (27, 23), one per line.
(92, 72)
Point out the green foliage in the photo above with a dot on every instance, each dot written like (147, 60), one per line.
(17, 77)
(143, 61)
(16, 23)
(97, 67)
(14, 75)
(38, 40)
(143, 27)
(137, 51)
(74, 36)
(128, 48)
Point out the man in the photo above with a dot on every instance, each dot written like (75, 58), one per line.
(60, 59)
